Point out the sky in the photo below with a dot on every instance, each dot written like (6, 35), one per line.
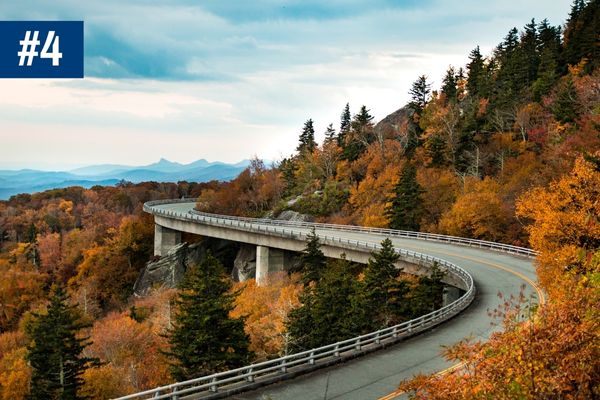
(229, 80)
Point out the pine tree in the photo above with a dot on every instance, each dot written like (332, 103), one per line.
(55, 350)
(436, 150)
(581, 34)
(345, 125)
(360, 135)
(330, 134)
(449, 85)
(288, 167)
(204, 339)
(328, 313)
(419, 94)
(382, 292)
(404, 210)
(475, 69)
(530, 59)
(566, 106)
(307, 138)
(428, 295)
(312, 261)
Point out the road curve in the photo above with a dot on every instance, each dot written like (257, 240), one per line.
(378, 374)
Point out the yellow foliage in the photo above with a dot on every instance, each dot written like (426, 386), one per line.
(479, 213)
(266, 309)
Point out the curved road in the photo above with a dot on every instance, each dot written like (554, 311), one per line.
(378, 374)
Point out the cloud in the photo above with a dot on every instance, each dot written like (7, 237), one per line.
(225, 80)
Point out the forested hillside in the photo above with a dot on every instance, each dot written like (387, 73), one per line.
(507, 148)
(455, 159)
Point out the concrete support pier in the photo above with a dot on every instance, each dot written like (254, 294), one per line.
(165, 239)
(268, 260)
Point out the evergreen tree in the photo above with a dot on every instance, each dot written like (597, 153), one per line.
(307, 138)
(449, 85)
(360, 135)
(581, 34)
(312, 261)
(436, 150)
(419, 94)
(328, 313)
(530, 58)
(566, 105)
(204, 339)
(405, 208)
(428, 295)
(288, 172)
(475, 69)
(330, 134)
(55, 350)
(383, 292)
(345, 125)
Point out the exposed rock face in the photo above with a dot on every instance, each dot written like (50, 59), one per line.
(289, 215)
(168, 271)
(244, 265)
(394, 121)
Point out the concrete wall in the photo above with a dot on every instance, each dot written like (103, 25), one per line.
(165, 239)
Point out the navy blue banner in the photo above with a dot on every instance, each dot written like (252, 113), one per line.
(41, 49)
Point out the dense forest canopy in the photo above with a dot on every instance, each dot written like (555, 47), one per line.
(506, 149)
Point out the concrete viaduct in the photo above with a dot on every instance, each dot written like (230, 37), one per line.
(492, 267)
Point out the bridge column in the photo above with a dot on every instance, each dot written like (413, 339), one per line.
(165, 239)
(267, 260)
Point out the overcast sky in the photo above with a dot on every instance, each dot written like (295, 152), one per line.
(226, 80)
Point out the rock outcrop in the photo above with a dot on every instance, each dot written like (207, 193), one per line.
(168, 270)
(244, 265)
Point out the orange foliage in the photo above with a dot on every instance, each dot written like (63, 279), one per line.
(440, 188)
(266, 309)
(555, 353)
(478, 213)
(131, 351)
(566, 228)
(14, 371)
(552, 356)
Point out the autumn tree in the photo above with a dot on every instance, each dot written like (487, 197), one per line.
(265, 309)
(566, 231)
(478, 213)
(55, 351)
(548, 351)
(204, 339)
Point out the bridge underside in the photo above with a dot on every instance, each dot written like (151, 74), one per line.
(269, 257)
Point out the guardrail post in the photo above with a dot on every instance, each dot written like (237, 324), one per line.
(395, 332)
(358, 346)
(283, 368)
(214, 388)
(250, 378)
(337, 353)
(174, 394)
(377, 340)
(311, 360)
(157, 393)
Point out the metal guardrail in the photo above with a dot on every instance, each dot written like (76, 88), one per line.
(507, 248)
(251, 375)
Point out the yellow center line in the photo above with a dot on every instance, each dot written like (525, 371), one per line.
(540, 294)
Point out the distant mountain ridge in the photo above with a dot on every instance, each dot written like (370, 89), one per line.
(29, 180)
